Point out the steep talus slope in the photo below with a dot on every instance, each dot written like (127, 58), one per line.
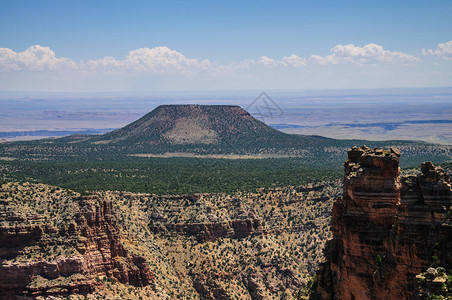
(386, 230)
(63, 247)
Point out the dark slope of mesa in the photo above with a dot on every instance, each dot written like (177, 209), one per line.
(204, 129)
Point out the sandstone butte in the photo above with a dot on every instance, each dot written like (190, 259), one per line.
(387, 230)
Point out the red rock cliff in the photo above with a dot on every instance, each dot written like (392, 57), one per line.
(99, 253)
(386, 229)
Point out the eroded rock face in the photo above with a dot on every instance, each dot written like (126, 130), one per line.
(205, 232)
(386, 228)
(94, 235)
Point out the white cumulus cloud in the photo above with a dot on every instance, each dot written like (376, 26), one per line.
(369, 54)
(105, 63)
(289, 61)
(154, 60)
(159, 58)
(294, 61)
(150, 60)
(444, 50)
(34, 58)
(266, 61)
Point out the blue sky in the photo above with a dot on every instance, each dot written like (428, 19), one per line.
(231, 37)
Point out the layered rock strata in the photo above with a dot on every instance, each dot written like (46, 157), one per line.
(95, 243)
(386, 229)
(205, 232)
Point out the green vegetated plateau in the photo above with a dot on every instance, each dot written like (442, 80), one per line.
(167, 175)
(179, 175)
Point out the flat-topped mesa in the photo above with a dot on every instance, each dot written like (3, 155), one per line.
(386, 229)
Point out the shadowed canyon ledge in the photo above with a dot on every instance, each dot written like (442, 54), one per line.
(387, 229)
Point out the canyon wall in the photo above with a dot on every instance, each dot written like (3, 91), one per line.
(32, 259)
(387, 229)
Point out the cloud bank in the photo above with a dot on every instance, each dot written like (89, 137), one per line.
(444, 51)
(368, 54)
(39, 68)
(155, 60)
(35, 58)
(164, 60)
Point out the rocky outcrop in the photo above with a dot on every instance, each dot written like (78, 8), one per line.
(95, 243)
(205, 232)
(206, 222)
(386, 229)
